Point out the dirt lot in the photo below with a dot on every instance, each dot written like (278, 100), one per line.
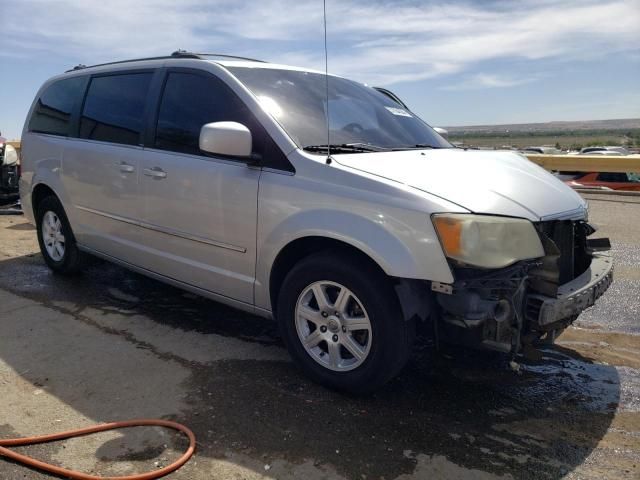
(112, 345)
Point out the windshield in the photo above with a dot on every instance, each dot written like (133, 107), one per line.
(357, 114)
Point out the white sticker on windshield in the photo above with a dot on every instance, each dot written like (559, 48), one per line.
(398, 111)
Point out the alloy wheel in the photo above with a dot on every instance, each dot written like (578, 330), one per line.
(333, 326)
(52, 236)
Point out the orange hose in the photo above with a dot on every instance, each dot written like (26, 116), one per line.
(63, 472)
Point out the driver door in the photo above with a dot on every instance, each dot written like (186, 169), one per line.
(200, 211)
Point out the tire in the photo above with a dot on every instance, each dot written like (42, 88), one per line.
(55, 237)
(380, 351)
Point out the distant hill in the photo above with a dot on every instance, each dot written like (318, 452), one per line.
(588, 125)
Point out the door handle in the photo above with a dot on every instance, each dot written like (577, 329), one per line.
(155, 172)
(126, 168)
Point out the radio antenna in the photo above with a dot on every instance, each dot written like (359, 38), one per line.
(326, 78)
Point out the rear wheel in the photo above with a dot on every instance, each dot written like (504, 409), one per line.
(57, 243)
(342, 323)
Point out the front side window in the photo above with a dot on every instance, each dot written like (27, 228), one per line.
(52, 113)
(114, 108)
(190, 101)
(357, 114)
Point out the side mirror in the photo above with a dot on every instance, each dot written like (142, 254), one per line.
(443, 132)
(230, 139)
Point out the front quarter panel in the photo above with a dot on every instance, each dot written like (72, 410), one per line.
(390, 223)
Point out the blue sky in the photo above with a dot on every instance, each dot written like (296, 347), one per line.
(454, 63)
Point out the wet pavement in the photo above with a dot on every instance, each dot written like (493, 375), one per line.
(110, 345)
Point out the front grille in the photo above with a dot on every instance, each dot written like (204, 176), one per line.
(566, 254)
(562, 233)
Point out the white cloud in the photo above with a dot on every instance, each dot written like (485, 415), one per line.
(486, 80)
(377, 42)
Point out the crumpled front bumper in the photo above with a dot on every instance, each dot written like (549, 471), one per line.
(573, 297)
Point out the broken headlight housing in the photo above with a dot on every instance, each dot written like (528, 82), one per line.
(487, 241)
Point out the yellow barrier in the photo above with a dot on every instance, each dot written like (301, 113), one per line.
(565, 163)
(588, 163)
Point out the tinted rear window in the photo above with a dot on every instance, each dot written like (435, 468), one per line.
(52, 113)
(114, 108)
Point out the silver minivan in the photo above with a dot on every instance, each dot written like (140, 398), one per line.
(313, 199)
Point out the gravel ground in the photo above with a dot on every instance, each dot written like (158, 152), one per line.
(618, 217)
(110, 345)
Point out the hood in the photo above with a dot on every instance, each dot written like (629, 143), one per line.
(489, 182)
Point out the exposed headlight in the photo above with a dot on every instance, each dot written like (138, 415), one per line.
(10, 156)
(487, 242)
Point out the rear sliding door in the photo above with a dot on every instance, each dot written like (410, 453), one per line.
(101, 168)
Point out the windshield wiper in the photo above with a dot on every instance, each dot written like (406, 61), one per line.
(419, 146)
(345, 148)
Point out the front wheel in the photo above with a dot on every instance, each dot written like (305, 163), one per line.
(342, 323)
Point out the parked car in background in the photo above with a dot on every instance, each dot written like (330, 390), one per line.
(542, 150)
(9, 172)
(602, 180)
(216, 175)
(612, 150)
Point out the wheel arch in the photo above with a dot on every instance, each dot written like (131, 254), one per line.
(39, 193)
(302, 247)
(389, 242)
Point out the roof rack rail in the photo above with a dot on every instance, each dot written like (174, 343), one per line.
(164, 57)
(176, 54)
(183, 53)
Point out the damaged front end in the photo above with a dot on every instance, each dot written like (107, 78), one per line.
(513, 309)
(9, 172)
